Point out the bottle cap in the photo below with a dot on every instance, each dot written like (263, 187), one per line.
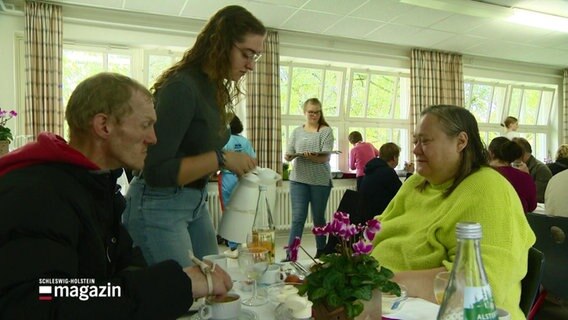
(468, 230)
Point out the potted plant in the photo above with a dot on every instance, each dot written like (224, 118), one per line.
(5, 133)
(342, 282)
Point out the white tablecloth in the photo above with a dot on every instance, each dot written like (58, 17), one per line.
(412, 309)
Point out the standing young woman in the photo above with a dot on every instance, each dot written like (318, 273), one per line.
(310, 181)
(166, 212)
(511, 125)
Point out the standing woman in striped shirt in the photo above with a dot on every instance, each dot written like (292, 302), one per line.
(310, 181)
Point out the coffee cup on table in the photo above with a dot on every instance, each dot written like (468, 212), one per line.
(218, 259)
(272, 275)
(221, 307)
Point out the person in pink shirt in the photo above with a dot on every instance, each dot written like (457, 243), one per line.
(360, 154)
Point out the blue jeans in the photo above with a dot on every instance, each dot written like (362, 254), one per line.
(301, 195)
(167, 222)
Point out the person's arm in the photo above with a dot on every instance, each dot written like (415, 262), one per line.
(419, 283)
(291, 147)
(192, 168)
(352, 154)
(52, 237)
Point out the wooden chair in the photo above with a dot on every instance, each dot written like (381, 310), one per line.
(551, 240)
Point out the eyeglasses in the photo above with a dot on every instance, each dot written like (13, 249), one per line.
(249, 54)
(314, 113)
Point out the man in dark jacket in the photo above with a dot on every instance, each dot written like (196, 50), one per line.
(539, 171)
(63, 251)
(381, 181)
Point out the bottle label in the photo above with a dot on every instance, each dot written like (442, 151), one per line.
(478, 304)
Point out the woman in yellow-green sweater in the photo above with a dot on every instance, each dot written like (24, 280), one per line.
(454, 183)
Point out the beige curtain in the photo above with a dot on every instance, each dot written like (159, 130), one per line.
(263, 106)
(435, 78)
(44, 48)
(565, 107)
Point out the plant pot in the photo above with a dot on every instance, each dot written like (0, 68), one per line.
(372, 310)
(4, 144)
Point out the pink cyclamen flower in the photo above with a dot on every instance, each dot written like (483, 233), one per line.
(373, 226)
(293, 249)
(13, 113)
(342, 216)
(321, 231)
(360, 247)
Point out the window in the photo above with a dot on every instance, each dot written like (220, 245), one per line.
(374, 102)
(492, 102)
(80, 63)
(159, 62)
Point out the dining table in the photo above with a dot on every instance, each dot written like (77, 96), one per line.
(411, 309)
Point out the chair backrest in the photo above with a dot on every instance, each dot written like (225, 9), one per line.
(551, 240)
(530, 285)
(351, 203)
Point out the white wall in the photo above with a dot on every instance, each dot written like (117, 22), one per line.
(146, 31)
(9, 25)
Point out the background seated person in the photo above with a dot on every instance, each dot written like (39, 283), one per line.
(381, 181)
(61, 211)
(454, 183)
(561, 162)
(502, 153)
(556, 201)
(538, 170)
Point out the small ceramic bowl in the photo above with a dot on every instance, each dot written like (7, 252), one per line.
(392, 303)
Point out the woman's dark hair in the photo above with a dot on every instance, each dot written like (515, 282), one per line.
(211, 53)
(236, 125)
(455, 120)
(505, 150)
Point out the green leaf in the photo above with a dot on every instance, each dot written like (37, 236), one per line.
(353, 309)
(364, 292)
(318, 293)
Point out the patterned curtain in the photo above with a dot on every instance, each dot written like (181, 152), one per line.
(44, 49)
(565, 107)
(263, 106)
(435, 78)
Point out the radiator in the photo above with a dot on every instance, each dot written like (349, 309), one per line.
(282, 211)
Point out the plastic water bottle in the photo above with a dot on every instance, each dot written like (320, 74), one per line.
(468, 294)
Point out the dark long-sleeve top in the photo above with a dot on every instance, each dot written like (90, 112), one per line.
(523, 184)
(540, 174)
(380, 184)
(558, 166)
(62, 221)
(188, 124)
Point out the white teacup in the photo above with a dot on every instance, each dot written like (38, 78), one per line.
(273, 275)
(221, 308)
(218, 259)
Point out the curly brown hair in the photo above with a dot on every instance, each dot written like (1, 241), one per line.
(212, 51)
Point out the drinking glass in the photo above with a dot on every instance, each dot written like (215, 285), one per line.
(440, 283)
(253, 262)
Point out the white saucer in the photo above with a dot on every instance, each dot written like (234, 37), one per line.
(245, 315)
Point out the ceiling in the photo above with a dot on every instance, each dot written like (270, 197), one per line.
(471, 29)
